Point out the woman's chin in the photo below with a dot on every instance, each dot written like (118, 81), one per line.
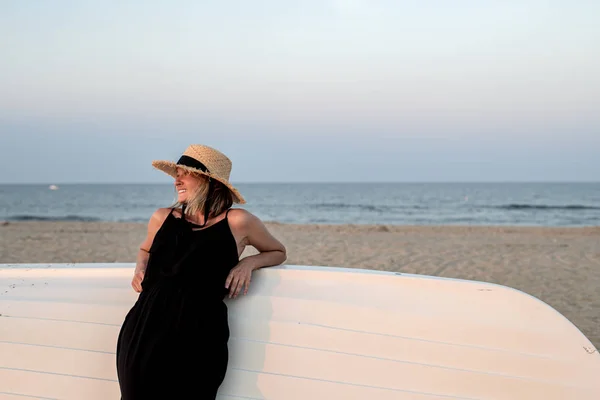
(181, 198)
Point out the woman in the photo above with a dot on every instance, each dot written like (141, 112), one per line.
(173, 341)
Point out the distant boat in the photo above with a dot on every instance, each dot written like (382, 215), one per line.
(53, 187)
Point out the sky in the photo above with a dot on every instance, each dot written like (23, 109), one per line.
(301, 91)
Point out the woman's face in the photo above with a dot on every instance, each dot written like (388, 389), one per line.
(186, 185)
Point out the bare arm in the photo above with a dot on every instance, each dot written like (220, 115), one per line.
(254, 233)
(143, 254)
(271, 251)
(142, 260)
(140, 270)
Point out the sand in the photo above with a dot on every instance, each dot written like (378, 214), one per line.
(560, 266)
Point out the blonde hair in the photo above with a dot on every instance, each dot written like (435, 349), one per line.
(218, 195)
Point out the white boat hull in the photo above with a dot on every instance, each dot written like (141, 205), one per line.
(305, 333)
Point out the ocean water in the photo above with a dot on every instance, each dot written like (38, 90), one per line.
(525, 204)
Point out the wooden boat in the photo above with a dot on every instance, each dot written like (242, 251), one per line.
(305, 332)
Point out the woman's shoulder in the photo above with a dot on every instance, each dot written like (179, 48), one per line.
(239, 213)
(159, 216)
(241, 218)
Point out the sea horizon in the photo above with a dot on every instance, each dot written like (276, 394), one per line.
(378, 203)
(317, 182)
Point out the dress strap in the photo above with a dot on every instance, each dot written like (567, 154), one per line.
(191, 223)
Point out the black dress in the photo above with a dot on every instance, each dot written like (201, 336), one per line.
(173, 341)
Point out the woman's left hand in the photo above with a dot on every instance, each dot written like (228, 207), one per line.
(238, 279)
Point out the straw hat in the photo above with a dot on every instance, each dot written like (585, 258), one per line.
(202, 160)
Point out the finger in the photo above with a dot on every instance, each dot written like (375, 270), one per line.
(246, 283)
(240, 286)
(228, 280)
(137, 281)
(246, 286)
(233, 286)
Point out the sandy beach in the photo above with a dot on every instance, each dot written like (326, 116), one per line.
(560, 266)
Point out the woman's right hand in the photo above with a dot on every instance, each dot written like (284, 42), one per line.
(136, 282)
(156, 221)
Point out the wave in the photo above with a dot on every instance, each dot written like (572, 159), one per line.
(544, 207)
(365, 207)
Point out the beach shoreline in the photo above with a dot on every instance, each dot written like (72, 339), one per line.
(558, 265)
